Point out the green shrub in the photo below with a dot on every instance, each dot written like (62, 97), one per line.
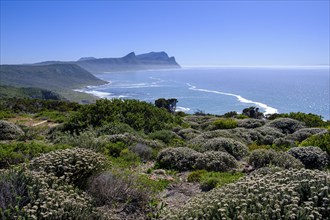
(18, 152)
(287, 194)
(310, 120)
(114, 128)
(164, 135)
(73, 165)
(114, 149)
(322, 141)
(209, 183)
(180, 158)
(129, 156)
(286, 125)
(262, 158)
(55, 116)
(216, 161)
(234, 148)
(141, 116)
(196, 176)
(311, 157)
(9, 131)
(225, 123)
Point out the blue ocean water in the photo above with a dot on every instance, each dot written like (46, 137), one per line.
(220, 90)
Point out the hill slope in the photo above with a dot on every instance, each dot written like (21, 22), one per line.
(52, 77)
(14, 92)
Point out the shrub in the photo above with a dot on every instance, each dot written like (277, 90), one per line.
(196, 176)
(262, 157)
(114, 149)
(284, 142)
(225, 123)
(268, 134)
(114, 128)
(286, 125)
(287, 194)
(112, 189)
(208, 184)
(180, 158)
(73, 165)
(164, 135)
(310, 120)
(311, 157)
(250, 123)
(141, 116)
(18, 152)
(13, 193)
(39, 195)
(234, 148)
(144, 152)
(304, 133)
(188, 133)
(216, 161)
(129, 156)
(322, 141)
(9, 131)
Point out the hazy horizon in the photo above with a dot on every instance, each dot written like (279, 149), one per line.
(197, 33)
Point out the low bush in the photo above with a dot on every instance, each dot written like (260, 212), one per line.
(188, 133)
(225, 123)
(286, 125)
(311, 157)
(287, 194)
(38, 195)
(196, 176)
(18, 152)
(322, 141)
(310, 120)
(164, 135)
(268, 135)
(144, 152)
(262, 158)
(284, 142)
(180, 158)
(250, 123)
(73, 165)
(216, 161)
(9, 131)
(234, 148)
(304, 133)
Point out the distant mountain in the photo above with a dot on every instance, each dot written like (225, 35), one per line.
(153, 60)
(130, 62)
(36, 93)
(52, 77)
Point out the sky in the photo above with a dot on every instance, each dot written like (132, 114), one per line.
(197, 33)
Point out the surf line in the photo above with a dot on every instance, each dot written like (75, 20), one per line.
(268, 109)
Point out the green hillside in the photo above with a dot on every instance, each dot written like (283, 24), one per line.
(52, 77)
(15, 92)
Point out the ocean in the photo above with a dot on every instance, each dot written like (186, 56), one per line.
(224, 89)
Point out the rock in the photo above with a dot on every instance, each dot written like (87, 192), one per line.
(9, 131)
(159, 172)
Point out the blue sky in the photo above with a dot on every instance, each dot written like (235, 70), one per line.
(195, 32)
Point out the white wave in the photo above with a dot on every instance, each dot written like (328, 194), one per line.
(96, 93)
(182, 109)
(267, 109)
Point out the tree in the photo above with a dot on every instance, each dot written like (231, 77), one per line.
(252, 112)
(168, 104)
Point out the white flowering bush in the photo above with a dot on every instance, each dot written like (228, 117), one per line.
(216, 161)
(9, 131)
(250, 123)
(41, 195)
(287, 194)
(286, 125)
(263, 157)
(72, 165)
(234, 148)
(188, 133)
(311, 157)
(180, 158)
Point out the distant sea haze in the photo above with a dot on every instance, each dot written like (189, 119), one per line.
(223, 89)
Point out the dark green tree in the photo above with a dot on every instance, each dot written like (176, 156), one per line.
(168, 104)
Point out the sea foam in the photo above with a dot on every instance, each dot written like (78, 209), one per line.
(266, 108)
